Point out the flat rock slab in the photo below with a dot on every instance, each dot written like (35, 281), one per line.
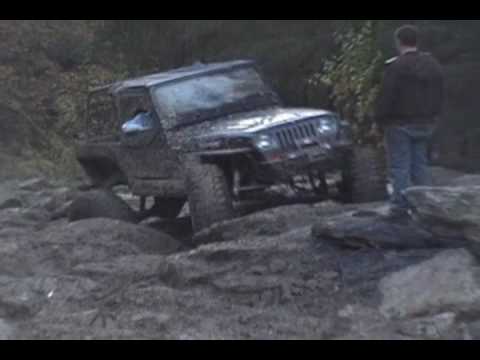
(453, 210)
(275, 221)
(449, 205)
(367, 231)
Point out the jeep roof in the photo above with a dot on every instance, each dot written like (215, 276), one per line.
(149, 81)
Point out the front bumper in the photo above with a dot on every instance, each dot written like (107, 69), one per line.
(283, 166)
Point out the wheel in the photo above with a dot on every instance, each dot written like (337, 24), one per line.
(100, 204)
(209, 195)
(167, 208)
(364, 178)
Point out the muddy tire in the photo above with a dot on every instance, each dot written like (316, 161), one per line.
(364, 177)
(100, 204)
(209, 195)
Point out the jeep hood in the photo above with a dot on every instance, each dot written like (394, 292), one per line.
(249, 123)
(240, 125)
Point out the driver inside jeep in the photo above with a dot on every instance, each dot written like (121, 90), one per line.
(141, 121)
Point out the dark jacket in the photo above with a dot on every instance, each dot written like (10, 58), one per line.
(412, 91)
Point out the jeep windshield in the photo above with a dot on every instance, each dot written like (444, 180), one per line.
(209, 97)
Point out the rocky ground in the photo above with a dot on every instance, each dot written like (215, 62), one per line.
(325, 271)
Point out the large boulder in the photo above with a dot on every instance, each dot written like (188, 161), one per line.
(453, 210)
(450, 282)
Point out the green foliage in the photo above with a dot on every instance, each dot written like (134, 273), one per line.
(354, 75)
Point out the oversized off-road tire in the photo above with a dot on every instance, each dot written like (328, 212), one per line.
(168, 209)
(364, 177)
(100, 204)
(209, 194)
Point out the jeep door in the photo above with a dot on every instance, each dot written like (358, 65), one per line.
(144, 148)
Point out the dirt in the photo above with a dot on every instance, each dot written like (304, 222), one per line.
(268, 278)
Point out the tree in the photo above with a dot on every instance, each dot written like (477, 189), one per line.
(353, 75)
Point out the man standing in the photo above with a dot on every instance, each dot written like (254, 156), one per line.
(410, 103)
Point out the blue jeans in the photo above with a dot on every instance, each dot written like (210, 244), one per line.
(407, 149)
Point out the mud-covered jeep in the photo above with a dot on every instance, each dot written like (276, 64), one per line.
(215, 136)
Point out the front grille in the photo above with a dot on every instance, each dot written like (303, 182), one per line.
(293, 136)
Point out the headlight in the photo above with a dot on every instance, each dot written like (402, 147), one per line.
(328, 126)
(266, 142)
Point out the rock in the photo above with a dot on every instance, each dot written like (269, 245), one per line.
(125, 266)
(35, 215)
(466, 180)
(429, 328)
(36, 184)
(266, 280)
(269, 222)
(6, 331)
(14, 252)
(49, 198)
(152, 321)
(448, 282)
(266, 223)
(373, 232)
(8, 191)
(278, 266)
(11, 204)
(54, 200)
(22, 299)
(17, 218)
(474, 330)
(252, 256)
(98, 240)
(347, 312)
(446, 177)
(452, 205)
(365, 323)
(451, 209)
(100, 204)
(180, 229)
